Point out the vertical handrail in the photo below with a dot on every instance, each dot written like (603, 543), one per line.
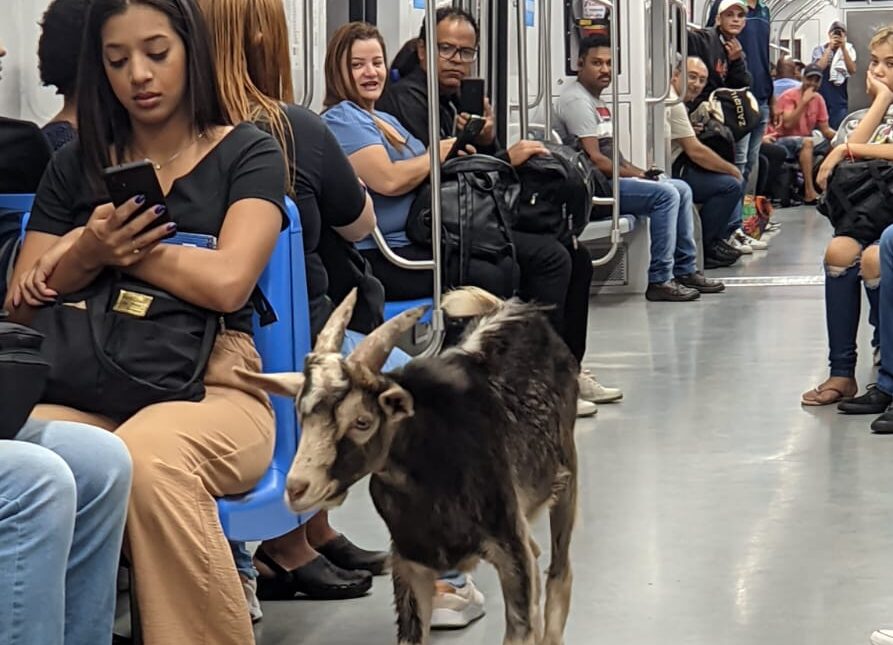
(655, 100)
(542, 41)
(309, 71)
(614, 200)
(431, 58)
(523, 111)
(546, 58)
(679, 27)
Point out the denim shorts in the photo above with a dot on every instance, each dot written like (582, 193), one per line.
(792, 144)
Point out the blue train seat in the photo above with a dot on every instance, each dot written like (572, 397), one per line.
(397, 307)
(262, 514)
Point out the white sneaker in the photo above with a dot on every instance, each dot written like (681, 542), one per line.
(882, 637)
(742, 248)
(249, 586)
(586, 408)
(593, 391)
(756, 245)
(456, 607)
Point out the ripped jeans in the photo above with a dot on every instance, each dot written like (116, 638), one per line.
(843, 310)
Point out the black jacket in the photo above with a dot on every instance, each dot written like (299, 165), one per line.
(707, 44)
(24, 154)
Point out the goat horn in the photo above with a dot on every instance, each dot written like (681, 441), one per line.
(331, 337)
(373, 351)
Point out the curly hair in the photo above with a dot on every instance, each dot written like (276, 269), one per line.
(59, 48)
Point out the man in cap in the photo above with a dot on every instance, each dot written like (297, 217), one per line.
(837, 60)
(798, 112)
(721, 50)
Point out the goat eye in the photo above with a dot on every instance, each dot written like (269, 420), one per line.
(362, 424)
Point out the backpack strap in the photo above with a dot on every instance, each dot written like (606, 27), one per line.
(263, 307)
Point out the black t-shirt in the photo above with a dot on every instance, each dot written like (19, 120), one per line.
(247, 163)
(24, 154)
(327, 193)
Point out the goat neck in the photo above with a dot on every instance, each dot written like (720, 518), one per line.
(331, 337)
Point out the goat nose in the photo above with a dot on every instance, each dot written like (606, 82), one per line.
(297, 488)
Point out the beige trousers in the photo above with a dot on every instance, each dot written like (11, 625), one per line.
(184, 456)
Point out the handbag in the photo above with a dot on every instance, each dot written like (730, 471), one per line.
(859, 199)
(121, 344)
(23, 375)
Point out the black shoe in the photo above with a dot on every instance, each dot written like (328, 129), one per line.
(711, 262)
(345, 554)
(724, 249)
(317, 580)
(884, 423)
(874, 401)
(670, 291)
(698, 282)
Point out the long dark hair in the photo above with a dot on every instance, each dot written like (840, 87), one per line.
(103, 123)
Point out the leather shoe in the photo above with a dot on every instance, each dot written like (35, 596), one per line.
(700, 283)
(724, 249)
(884, 423)
(670, 291)
(874, 401)
(319, 579)
(714, 262)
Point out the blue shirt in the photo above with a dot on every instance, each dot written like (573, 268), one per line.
(355, 129)
(782, 85)
(755, 43)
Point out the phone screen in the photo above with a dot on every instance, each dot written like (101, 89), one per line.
(471, 96)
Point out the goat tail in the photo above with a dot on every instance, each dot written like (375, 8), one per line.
(470, 302)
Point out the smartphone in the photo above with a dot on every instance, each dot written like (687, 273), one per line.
(467, 136)
(471, 96)
(128, 180)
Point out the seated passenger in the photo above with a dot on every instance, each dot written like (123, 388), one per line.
(63, 502)
(553, 274)
(716, 184)
(584, 119)
(799, 111)
(873, 138)
(148, 67)
(787, 76)
(58, 52)
(313, 561)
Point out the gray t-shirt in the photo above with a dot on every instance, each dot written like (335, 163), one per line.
(579, 114)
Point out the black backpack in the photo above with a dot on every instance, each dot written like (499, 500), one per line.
(479, 205)
(859, 199)
(556, 193)
(23, 375)
(717, 137)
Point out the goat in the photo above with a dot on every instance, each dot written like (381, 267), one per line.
(464, 450)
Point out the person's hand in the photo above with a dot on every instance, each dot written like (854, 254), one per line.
(808, 95)
(31, 287)
(110, 240)
(770, 138)
(876, 88)
(447, 144)
(488, 132)
(734, 49)
(737, 175)
(834, 157)
(698, 128)
(524, 150)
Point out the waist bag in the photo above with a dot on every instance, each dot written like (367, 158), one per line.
(859, 199)
(556, 193)
(479, 204)
(23, 375)
(121, 344)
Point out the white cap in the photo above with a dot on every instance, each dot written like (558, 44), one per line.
(725, 5)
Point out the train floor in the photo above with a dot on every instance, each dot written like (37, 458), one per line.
(714, 509)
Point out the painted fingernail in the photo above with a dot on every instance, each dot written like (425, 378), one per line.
(171, 226)
(160, 210)
(140, 199)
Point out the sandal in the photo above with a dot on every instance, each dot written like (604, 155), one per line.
(817, 399)
(345, 554)
(319, 579)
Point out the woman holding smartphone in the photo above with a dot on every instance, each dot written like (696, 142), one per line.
(148, 91)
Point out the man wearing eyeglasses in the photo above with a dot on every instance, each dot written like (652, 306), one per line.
(406, 97)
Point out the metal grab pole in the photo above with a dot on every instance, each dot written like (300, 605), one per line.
(682, 15)
(523, 111)
(655, 100)
(546, 73)
(543, 38)
(614, 200)
(307, 98)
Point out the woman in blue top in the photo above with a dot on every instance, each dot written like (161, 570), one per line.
(387, 158)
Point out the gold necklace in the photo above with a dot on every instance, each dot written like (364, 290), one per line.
(173, 157)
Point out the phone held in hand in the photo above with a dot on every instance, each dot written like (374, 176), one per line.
(128, 180)
(471, 96)
(472, 129)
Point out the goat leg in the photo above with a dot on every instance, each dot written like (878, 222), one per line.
(513, 559)
(559, 578)
(413, 600)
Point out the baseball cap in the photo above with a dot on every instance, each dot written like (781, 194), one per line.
(725, 5)
(837, 24)
(812, 70)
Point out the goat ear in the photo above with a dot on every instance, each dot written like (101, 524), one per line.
(397, 403)
(285, 384)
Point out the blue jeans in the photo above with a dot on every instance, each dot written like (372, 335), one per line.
(63, 501)
(720, 198)
(843, 310)
(885, 304)
(756, 140)
(668, 205)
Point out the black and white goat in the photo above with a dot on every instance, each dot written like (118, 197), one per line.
(464, 450)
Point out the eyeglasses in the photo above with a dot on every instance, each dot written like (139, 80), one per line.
(448, 52)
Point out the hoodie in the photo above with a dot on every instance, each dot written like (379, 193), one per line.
(708, 45)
